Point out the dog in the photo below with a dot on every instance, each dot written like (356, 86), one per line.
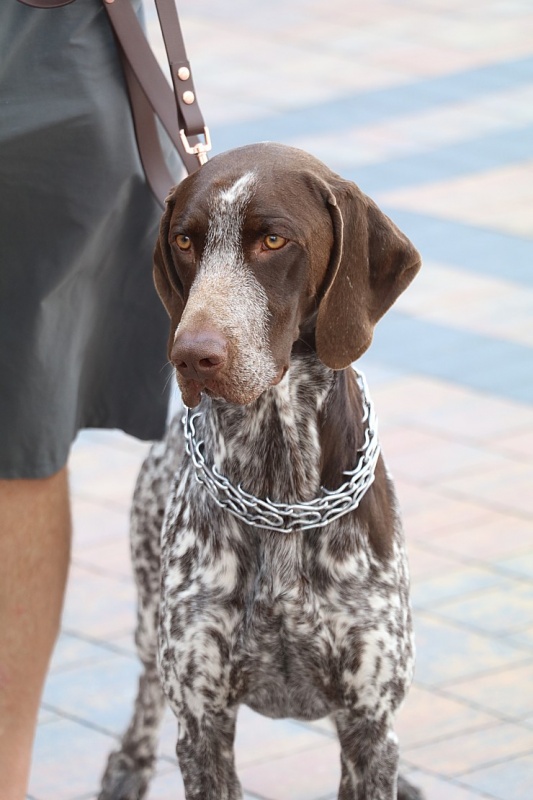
(277, 575)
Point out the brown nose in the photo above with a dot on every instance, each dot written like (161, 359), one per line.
(199, 355)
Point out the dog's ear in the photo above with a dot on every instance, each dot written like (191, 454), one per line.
(166, 279)
(372, 262)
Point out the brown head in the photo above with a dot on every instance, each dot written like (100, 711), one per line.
(262, 246)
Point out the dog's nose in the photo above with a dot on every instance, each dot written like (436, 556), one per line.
(199, 355)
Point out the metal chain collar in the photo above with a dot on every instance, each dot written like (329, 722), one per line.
(288, 517)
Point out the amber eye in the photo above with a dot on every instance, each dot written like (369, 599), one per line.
(183, 241)
(274, 242)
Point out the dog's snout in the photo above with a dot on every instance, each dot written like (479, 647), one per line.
(199, 355)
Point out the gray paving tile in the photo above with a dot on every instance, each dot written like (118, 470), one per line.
(443, 162)
(68, 760)
(482, 363)
(508, 780)
(496, 610)
(474, 249)
(447, 652)
(454, 585)
(366, 107)
(521, 565)
(98, 694)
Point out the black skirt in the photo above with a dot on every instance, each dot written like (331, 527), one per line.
(82, 331)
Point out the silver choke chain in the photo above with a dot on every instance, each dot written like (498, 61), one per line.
(288, 517)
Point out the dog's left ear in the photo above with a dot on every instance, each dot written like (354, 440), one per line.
(372, 262)
(166, 280)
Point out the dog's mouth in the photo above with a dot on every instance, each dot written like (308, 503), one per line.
(220, 389)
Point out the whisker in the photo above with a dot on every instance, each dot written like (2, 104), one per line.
(169, 376)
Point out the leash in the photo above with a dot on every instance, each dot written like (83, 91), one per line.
(151, 98)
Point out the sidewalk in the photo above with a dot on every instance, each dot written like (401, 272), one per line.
(428, 106)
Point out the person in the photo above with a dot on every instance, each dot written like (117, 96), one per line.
(82, 332)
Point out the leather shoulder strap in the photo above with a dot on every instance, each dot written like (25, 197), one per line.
(149, 91)
(180, 69)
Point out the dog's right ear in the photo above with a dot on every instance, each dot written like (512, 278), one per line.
(372, 263)
(166, 279)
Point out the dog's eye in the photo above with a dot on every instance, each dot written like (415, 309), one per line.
(183, 241)
(274, 242)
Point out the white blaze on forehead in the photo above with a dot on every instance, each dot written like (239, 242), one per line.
(240, 190)
(226, 215)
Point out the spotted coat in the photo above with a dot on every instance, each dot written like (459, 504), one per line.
(304, 624)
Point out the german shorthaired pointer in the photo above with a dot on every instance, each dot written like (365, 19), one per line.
(277, 575)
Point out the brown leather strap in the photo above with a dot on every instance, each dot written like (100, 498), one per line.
(149, 92)
(154, 164)
(144, 76)
(137, 53)
(188, 110)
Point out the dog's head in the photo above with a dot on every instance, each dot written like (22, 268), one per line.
(264, 245)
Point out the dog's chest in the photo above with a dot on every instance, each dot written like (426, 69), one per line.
(282, 622)
(278, 622)
(316, 632)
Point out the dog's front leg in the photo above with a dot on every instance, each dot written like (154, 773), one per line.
(206, 757)
(197, 628)
(369, 759)
(206, 724)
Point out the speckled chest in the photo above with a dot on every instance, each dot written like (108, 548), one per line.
(295, 624)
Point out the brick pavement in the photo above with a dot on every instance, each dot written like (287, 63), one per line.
(429, 107)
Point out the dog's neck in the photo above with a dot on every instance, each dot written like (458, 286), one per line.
(307, 428)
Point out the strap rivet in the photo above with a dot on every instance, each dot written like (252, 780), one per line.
(188, 98)
(184, 74)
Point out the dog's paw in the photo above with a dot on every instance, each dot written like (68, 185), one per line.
(406, 790)
(124, 779)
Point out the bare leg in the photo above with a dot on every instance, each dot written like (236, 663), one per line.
(35, 533)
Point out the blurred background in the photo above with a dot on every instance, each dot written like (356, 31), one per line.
(428, 106)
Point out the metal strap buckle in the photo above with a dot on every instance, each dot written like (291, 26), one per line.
(200, 149)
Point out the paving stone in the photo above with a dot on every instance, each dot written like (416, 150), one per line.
(508, 780)
(439, 788)
(68, 759)
(447, 652)
(72, 651)
(100, 694)
(98, 606)
(489, 200)
(462, 754)
(425, 564)
(496, 610)
(427, 716)
(309, 775)
(459, 584)
(428, 458)
(521, 565)
(490, 539)
(97, 523)
(506, 692)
